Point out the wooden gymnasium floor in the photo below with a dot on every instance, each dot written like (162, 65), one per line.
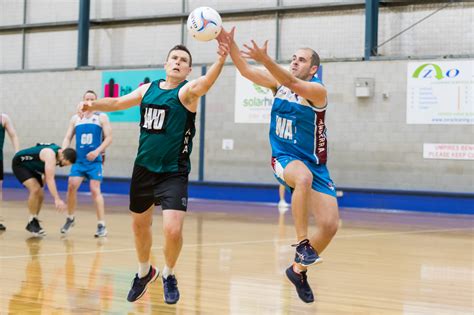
(233, 262)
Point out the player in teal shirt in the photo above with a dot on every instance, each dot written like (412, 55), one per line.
(29, 166)
(160, 175)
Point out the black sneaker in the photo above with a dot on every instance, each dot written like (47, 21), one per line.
(2, 227)
(301, 283)
(139, 285)
(68, 225)
(35, 228)
(305, 254)
(170, 289)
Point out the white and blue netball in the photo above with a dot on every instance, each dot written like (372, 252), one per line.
(204, 23)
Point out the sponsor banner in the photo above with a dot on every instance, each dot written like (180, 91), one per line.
(440, 92)
(253, 103)
(119, 83)
(445, 151)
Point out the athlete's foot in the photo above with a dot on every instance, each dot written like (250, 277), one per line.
(68, 225)
(35, 228)
(300, 281)
(170, 289)
(305, 254)
(101, 231)
(139, 285)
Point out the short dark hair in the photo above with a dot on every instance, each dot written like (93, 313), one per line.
(70, 155)
(315, 61)
(90, 91)
(183, 48)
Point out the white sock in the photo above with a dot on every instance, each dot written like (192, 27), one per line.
(32, 216)
(143, 269)
(70, 216)
(101, 222)
(167, 271)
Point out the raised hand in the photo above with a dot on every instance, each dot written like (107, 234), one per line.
(83, 108)
(223, 35)
(256, 53)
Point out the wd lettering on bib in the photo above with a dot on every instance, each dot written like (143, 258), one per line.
(284, 128)
(153, 119)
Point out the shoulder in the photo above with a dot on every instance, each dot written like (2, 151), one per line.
(4, 119)
(103, 117)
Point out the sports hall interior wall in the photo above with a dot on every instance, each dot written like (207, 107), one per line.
(370, 144)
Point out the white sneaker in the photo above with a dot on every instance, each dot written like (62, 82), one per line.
(283, 206)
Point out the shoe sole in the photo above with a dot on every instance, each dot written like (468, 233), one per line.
(67, 231)
(38, 234)
(170, 303)
(317, 261)
(146, 287)
(103, 235)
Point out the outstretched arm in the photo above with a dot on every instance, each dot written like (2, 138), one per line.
(191, 92)
(48, 156)
(110, 104)
(252, 73)
(314, 92)
(7, 124)
(69, 133)
(107, 130)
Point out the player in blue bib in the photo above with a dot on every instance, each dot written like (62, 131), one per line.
(93, 135)
(299, 149)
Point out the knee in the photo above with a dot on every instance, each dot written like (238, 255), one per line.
(72, 188)
(330, 226)
(140, 226)
(95, 193)
(304, 181)
(172, 233)
(37, 192)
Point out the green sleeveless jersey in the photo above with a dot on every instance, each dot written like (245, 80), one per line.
(166, 131)
(30, 159)
(2, 138)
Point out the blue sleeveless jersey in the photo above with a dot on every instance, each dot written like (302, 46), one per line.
(88, 137)
(297, 129)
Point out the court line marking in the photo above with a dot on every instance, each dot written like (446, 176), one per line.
(236, 243)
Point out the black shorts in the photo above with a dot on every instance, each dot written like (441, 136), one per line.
(1, 169)
(22, 173)
(170, 190)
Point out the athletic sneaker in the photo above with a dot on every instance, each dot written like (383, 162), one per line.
(2, 227)
(68, 225)
(101, 231)
(170, 289)
(139, 285)
(301, 283)
(283, 204)
(305, 254)
(35, 228)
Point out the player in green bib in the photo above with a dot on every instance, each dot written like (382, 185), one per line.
(6, 126)
(29, 166)
(160, 175)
